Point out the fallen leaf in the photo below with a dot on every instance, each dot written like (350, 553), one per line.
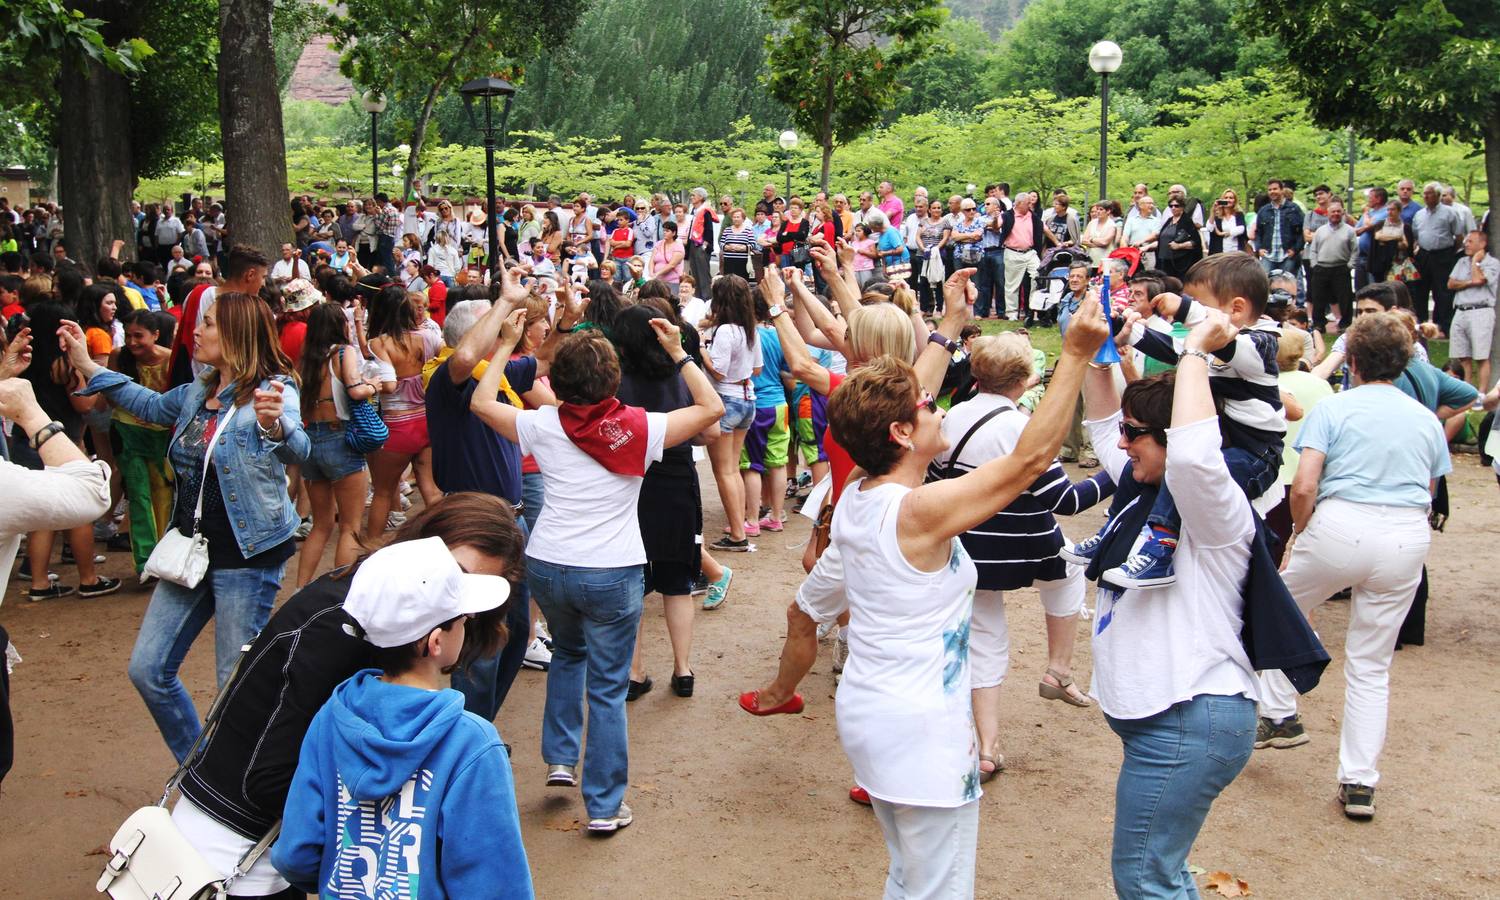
(78, 793)
(1196, 870)
(1227, 885)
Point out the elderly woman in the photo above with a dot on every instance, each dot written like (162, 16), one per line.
(893, 261)
(585, 561)
(1141, 231)
(245, 409)
(897, 566)
(1369, 457)
(1171, 675)
(1019, 545)
(1101, 235)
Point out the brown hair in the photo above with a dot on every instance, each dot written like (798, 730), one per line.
(999, 362)
(585, 369)
(861, 411)
(1379, 346)
(487, 524)
(251, 349)
(1288, 353)
(36, 289)
(1149, 401)
(1230, 275)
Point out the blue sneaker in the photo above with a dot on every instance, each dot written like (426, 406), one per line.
(1082, 553)
(718, 591)
(1149, 567)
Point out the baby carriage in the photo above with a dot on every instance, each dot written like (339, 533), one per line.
(1046, 295)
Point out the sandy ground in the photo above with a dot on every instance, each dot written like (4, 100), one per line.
(732, 806)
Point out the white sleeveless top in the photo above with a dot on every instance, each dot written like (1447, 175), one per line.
(904, 711)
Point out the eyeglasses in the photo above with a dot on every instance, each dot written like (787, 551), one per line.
(928, 401)
(1174, 206)
(1131, 432)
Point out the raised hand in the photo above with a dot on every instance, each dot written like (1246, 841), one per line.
(1087, 329)
(958, 290)
(670, 338)
(514, 327)
(71, 341)
(268, 405)
(17, 355)
(1214, 332)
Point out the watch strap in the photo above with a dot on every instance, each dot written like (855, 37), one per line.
(46, 433)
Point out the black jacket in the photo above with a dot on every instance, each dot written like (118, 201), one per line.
(1038, 232)
(245, 767)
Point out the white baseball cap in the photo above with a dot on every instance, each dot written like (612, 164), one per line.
(403, 591)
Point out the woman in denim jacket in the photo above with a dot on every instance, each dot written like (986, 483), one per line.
(247, 405)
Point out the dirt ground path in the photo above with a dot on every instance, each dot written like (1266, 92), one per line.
(732, 806)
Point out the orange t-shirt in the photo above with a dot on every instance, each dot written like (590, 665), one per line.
(99, 341)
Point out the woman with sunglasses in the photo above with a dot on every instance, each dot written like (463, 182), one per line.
(897, 565)
(1179, 243)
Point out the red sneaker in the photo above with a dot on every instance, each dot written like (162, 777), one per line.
(860, 795)
(750, 703)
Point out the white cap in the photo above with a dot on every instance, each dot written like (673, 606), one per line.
(403, 591)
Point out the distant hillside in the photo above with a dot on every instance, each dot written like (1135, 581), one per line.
(994, 15)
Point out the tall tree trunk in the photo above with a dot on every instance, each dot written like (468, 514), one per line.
(1492, 176)
(419, 132)
(255, 186)
(95, 166)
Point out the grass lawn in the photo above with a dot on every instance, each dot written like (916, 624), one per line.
(1048, 340)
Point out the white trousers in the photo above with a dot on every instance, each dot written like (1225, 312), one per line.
(989, 635)
(1017, 264)
(932, 850)
(1378, 551)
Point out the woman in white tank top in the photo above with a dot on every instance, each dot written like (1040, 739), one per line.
(896, 564)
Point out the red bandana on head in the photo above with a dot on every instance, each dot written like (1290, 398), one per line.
(609, 431)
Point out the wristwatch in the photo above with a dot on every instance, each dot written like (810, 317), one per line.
(945, 343)
(45, 434)
(1200, 354)
(775, 310)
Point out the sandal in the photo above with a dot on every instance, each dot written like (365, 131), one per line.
(1060, 690)
(997, 765)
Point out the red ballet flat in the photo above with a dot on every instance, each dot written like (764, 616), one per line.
(750, 703)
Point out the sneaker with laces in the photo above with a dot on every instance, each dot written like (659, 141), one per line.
(394, 520)
(1280, 735)
(731, 545)
(718, 591)
(99, 588)
(826, 629)
(611, 824)
(538, 657)
(1082, 553)
(840, 654)
(51, 592)
(752, 530)
(700, 585)
(770, 524)
(1149, 567)
(304, 528)
(1358, 800)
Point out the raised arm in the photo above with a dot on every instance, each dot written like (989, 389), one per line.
(141, 402)
(932, 360)
(936, 512)
(798, 359)
(684, 424)
(486, 403)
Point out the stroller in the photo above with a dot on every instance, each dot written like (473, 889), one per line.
(1053, 284)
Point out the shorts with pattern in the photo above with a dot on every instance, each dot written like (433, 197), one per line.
(812, 425)
(769, 439)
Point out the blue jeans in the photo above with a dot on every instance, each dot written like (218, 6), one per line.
(385, 253)
(1252, 471)
(239, 600)
(990, 280)
(534, 495)
(486, 682)
(593, 614)
(1176, 763)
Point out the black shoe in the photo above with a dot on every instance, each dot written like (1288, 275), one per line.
(700, 585)
(120, 543)
(99, 588)
(1358, 800)
(731, 545)
(682, 685)
(51, 592)
(68, 560)
(637, 688)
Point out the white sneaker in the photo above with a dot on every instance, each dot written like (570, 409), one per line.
(394, 520)
(406, 488)
(825, 630)
(840, 654)
(537, 656)
(405, 503)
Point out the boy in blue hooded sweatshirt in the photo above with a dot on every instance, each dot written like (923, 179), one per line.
(399, 793)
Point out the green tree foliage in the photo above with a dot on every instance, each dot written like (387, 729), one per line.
(1167, 45)
(994, 16)
(1441, 78)
(950, 74)
(414, 48)
(839, 64)
(666, 70)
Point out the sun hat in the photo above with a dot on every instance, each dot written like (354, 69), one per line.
(476, 217)
(300, 294)
(403, 591)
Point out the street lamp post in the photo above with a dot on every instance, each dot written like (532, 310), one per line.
(788, 141)
(374, 104)
(1104, 58)
(487, 88)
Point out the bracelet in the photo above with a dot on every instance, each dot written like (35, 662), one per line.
(683, 362)
(1200, 354)
(267, 433)
(46, 433)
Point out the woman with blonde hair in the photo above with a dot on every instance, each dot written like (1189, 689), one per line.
(1226, 225)
(245, 407)
(1101, 235)
(1018, 546)
(529, 229)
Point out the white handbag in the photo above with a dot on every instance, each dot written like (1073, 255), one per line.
(181, 558)
(151, 860)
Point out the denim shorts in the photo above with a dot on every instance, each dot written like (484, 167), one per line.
(739, 414)
(330, 458)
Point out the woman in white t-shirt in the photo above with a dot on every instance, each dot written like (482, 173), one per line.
(895, 562)
(585, 560)
(1170, 673)
(732, 354)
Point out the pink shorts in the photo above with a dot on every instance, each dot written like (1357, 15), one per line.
(408, 435)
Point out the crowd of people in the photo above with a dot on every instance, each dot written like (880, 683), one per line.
(503, 451)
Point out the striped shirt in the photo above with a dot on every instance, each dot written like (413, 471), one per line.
(1019, 544)
(1246, 378)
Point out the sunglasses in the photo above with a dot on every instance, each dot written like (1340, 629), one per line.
(928, 401)
(1131, 432)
